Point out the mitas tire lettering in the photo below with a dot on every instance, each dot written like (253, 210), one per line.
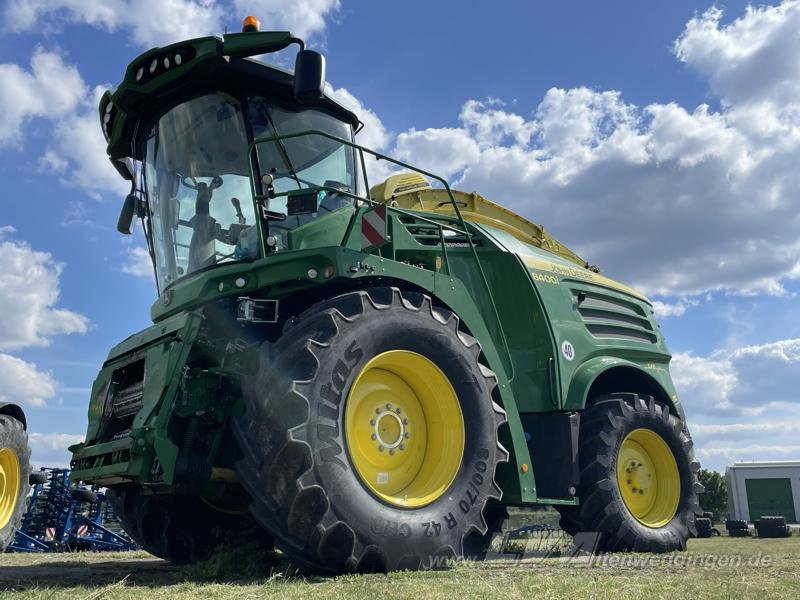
(296, 464)
(330, 406)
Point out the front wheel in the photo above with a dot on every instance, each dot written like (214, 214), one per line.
(15, 469)
(638, 488)
(370, 440)
(182, 528)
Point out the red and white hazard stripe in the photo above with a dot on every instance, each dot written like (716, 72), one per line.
(83, 530)
(373, 228)
(49, 534)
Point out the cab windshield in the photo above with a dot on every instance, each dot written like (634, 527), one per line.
(197, 178)
(301, 162)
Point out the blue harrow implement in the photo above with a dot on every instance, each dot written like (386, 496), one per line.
(61, 517)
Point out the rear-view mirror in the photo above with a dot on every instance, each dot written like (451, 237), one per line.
(309, 76)
(125, 221)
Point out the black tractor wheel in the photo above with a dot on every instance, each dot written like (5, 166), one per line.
(84, 495)
(15, 469)
(39, 477)
(182, 529)
(370, 438)
(638, 484)
(704, 527)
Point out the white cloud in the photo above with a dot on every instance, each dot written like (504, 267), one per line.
(50, 449)
(746, 380)
(718, 457)
(138, 263)
(49, 89)
(751, 59)
(29, 294)
(742, 403)
(704, 383)
(78, 152)
(151, 22)
(304, 18)
(22, 383)
(662, 310)
(55, 91)
(161, 22)
(373, 135)
(747, 428)
(679, 202)
(445, 151)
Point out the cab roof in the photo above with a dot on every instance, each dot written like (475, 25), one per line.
(161, 78)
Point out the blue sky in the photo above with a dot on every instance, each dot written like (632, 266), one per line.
(658, 139)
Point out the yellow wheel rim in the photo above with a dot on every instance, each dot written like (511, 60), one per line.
(9, 484)
(648, 478)
(404, 429)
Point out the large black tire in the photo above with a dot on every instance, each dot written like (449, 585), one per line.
(731, 524)
(13, 442)
(772, 527)
(180, 528)
(39, 477)
(604, 426)
(305, 488)
(84, 495)
(704, 528)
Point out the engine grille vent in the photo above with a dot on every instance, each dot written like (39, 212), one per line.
(610, 318)
(427, 234)
(128, 401)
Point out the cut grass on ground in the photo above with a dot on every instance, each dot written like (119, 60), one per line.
(712, 568)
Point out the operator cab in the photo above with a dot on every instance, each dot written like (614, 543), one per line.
(199, 190)
(228, 173)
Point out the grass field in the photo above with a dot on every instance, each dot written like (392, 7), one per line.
(711, 568)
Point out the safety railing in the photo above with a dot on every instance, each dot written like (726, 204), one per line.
(260, 197)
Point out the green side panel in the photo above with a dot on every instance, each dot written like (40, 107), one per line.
(322, 231)
(594, 324)
(770, 497)
(164, 349)
(165, 328)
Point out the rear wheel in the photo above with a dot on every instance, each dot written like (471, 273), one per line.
(15, 470)
(638, 486)
(370, 440)
(182, 529)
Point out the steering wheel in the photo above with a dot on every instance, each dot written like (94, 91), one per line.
(191, 182)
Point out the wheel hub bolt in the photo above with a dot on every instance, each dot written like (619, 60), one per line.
(388, 406)
(407, 435)
(405, 421)
(380, 448)
(375, 437)
(402, 446)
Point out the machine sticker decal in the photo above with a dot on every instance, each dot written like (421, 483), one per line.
(567, 350)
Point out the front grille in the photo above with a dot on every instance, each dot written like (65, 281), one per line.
(127, 401)
(606, 317)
